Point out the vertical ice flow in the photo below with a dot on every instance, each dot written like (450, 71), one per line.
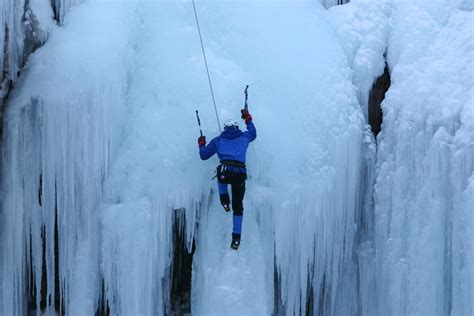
(62, 129)
(425, 164)
(104, 138)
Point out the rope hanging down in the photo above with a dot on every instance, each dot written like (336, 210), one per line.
(207, 68)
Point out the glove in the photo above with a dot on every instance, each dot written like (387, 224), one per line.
(202, 141)
(246, 116)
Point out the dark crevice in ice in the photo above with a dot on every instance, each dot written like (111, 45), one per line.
(103, 308)
(278, 306)
(310, 296)
(40, 190)
(5, 83)
(181, 272)
(310, 299)
(55, 5)
(44, 272)
(32, 281)
(376, 96)
(54, 299)
(57, 289)
(322, 302)
(6, 57)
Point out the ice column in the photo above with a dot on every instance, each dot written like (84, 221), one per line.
(63, 127)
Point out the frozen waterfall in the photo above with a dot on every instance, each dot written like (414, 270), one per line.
(106, 207)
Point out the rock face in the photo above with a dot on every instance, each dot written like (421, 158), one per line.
(182, 262)
(376, 96)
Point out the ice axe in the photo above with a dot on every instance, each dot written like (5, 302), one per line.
(199, 122)
(246, 98)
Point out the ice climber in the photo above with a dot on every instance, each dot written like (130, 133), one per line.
(231, 148)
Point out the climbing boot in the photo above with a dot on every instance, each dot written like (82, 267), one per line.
(225, 201)
(235, 241)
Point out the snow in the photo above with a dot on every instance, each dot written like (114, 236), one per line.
(104, 122)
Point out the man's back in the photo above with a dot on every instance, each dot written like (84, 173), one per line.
(232, 144)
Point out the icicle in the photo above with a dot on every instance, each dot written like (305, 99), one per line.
(62, 127)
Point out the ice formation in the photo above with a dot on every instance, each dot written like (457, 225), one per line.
(102, 182)
(416, 252)
(62, 128)
(425, 164)
(24, 25)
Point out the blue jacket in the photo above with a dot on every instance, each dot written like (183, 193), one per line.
(232, 144)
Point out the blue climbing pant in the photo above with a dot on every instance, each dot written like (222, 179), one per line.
(237, 183)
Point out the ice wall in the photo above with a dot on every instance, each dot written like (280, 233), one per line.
(363, 29)
(24, 26)
(157, 172)
(63, 127)
(109, 189)
(18, 21)
(305, 170)
(415, 244)
(289, 189)
(421, 243)
(307, 103)
(423, 192)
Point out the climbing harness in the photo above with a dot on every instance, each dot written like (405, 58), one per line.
(223, 173)
(207, 67)
(233, 163)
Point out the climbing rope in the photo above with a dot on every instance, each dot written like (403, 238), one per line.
(207, 67)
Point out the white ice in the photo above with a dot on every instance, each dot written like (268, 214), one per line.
(105, 116)
(416, 257)
(62, 129)
(425, 164)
